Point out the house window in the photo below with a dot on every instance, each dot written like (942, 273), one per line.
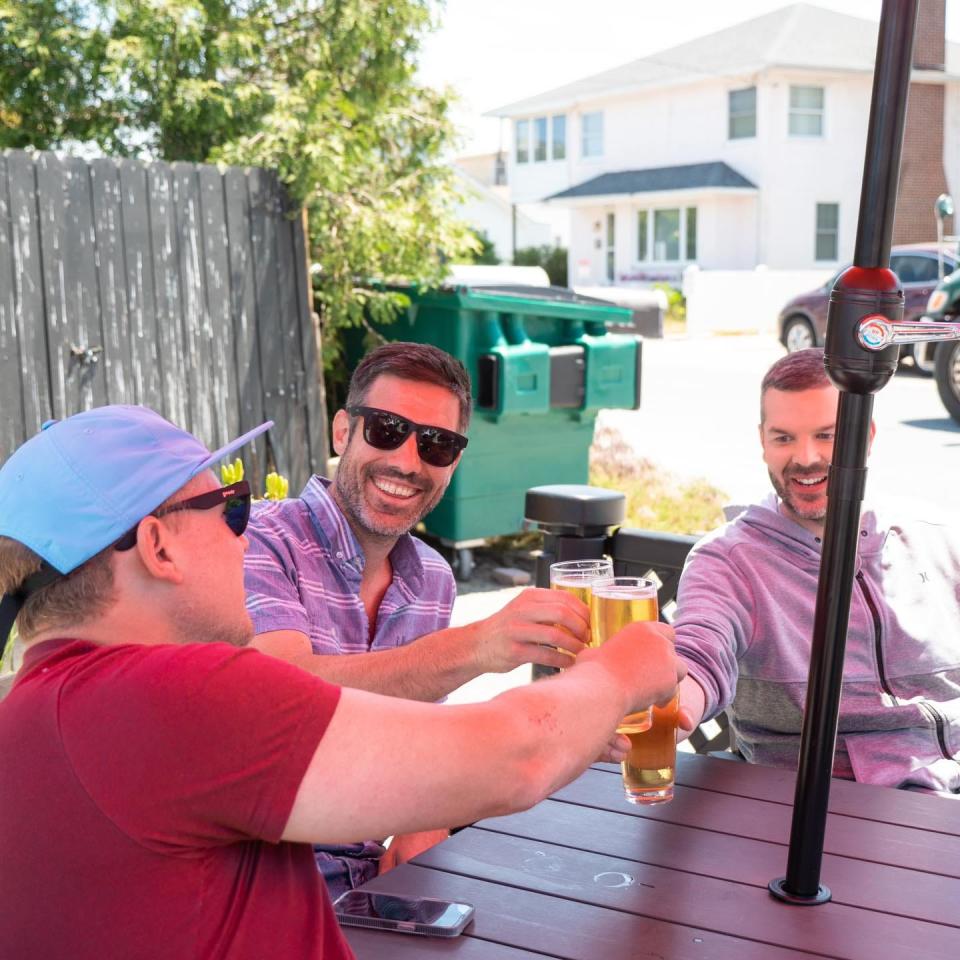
(540, 139)
(559, 138)
(666, 234)
(673, 230)
(828, 225)
(522, 133)
(591, 134)
(691, 239)
(806, 111)
(743, 113)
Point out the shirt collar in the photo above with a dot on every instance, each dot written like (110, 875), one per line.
(404, 557)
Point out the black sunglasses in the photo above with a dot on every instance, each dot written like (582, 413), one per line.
(235, 500)
(387, 431)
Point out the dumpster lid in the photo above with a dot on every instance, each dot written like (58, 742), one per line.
(528, 292)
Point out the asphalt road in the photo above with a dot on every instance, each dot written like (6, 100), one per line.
(700, 410)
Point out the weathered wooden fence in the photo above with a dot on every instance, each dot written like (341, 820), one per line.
(180, 286)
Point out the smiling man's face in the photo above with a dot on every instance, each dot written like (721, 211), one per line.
(385, 493)
(797, 438)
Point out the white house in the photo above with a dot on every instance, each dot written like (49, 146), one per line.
(487, 206)
(740, 148)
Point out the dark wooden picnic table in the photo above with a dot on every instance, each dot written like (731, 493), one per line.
(586, 876)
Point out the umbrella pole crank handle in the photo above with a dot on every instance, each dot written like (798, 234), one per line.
(876, 332)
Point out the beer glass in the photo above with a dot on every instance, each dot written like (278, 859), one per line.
(649, 768)
(578, 577)
(615, 603)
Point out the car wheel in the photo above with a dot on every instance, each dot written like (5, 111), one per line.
(798, 335)
(947, 374)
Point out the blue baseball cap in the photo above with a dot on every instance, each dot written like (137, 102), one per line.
(81, 483)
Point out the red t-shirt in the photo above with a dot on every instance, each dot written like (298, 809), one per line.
(143, 791)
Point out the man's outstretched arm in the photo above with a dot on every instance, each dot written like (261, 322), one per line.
(414, 766)
(529, 629)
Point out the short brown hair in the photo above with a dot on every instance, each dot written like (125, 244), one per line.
(82, 594)
(412, 361)
(801, 370)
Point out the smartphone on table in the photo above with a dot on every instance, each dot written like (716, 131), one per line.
(425, 916)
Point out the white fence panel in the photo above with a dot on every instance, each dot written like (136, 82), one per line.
(727, 301)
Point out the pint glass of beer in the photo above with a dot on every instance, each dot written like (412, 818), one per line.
(615, 603)
(649, 767)
(578, 577)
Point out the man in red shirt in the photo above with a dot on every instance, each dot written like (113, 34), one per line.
(161, 781)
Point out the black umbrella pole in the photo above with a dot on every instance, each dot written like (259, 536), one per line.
(818, 738)
(868, 288)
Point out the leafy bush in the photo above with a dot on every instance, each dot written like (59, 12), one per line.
(485, 252)
(676, 304)
(552, 259)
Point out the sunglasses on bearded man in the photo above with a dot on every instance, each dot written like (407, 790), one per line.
(384, 430)
(235, 500)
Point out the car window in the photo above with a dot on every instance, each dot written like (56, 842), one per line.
(915, 269)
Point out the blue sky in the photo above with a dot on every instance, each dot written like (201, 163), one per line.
(497, 51)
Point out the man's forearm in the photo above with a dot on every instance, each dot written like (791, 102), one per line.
(427, 669)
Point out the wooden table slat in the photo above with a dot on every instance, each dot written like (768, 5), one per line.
(376, 943)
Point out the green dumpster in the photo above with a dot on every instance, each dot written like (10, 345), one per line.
(542, 364)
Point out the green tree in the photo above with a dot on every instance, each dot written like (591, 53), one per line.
(50, 61)
(362, 145)
(485, 251)
(185, 76)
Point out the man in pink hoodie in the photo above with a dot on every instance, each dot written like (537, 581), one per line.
(746, 605)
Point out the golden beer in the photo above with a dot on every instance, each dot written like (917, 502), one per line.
(615, 604)
(577, 577)
(649, 768)
(582, 591)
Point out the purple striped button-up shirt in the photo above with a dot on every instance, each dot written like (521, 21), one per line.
(302, 572)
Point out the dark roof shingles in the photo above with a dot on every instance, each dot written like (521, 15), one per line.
(686, 177)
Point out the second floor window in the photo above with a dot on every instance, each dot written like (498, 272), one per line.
(540, 139)
(522, 131)
(591, 134)
(806, 112)
(742, 118)
(559, 138)
(828, 229)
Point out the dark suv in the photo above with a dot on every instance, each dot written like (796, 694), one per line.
(803, 321)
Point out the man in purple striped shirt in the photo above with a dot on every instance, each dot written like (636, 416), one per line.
(336, 571)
